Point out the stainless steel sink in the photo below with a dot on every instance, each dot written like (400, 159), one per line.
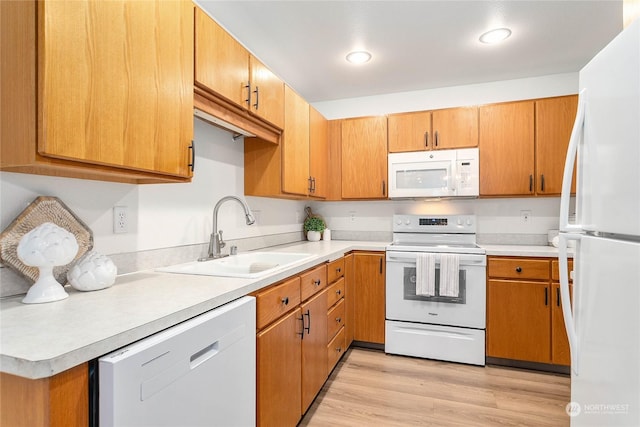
(250, 265)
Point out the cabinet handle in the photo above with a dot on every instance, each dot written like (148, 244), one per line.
(192, 165)
(530, 183)
(313, 184)
(380, 265)
(541, 182)
(338, 292)
(558, 297)
(384, 188)
(248, 100)
(301, 318)
(339, 349)
(518, 269)
(285, 300)
(310, 188)
(436, 139)
(338, 270)
(257, 92)
(426, 139)
(308, 328)
(546, 296)
(317, 282)
(338, 319)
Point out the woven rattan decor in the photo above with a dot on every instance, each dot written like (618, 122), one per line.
(43, 209)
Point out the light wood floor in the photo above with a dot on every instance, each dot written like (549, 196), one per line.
(371, 388)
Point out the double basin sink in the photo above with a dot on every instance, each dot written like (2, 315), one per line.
(248, 265)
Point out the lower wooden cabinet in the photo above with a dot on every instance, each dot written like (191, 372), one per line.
(291, 347)
(369, 272)
(60, 400)
(314, 342)
(524, 311)
(279, 364)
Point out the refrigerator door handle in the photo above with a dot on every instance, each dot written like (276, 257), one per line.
(569, 320)
(572, 152)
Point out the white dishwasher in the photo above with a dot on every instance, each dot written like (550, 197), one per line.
(201, 372)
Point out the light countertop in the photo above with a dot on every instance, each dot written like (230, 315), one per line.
(41, 340)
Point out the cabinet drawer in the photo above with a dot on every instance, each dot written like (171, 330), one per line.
(276, 301)
(335, 293)
(519, 268)
(335, 319)
(335, 349)
(313, 281)
(335, 270)
(555, 273)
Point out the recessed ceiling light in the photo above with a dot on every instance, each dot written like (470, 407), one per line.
(359, 57)
(495, 36)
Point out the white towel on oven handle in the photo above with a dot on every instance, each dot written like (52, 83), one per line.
(449, 275)
(425, 274)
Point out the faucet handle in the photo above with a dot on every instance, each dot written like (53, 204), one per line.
(221, 242)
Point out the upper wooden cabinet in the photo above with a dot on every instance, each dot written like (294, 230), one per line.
(295, 168)
(318, 153)
(364, 158)
(233, 85)
(94, 90)
(295, 145)
(433, 130)
(523, 146)
(554, 122)
(507, 149)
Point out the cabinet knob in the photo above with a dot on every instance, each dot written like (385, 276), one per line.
(285, 300)
(338, 319)
(317, 282)
(338, 292)
(339, 349)
(338, 270)
(518, 269)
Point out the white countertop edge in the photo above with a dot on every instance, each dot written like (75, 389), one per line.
(22, 364)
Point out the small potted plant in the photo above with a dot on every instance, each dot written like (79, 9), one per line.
(314, 226)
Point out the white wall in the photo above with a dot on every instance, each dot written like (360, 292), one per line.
(494, 216)
(161, 215)
(457, 96)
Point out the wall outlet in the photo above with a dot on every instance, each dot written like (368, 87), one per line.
(352, 216)
(120, 219)
(525, 217)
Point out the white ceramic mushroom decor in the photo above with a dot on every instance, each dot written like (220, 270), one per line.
(45, 247)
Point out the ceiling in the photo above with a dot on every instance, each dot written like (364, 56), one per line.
(416, 45)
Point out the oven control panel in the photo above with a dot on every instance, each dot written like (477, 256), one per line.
(434, 223)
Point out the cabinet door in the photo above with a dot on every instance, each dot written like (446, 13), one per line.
(279, 372)
(318, 153)
(349, 299)
(295, 144)
(455, 128)
(267, 93)
(113, 89)
(554, 122)
(369, 294)
(364, 158)
(518, 320)
(314, 348)
(410, 132)
(507, 149)
(222, 64)
(560, 353)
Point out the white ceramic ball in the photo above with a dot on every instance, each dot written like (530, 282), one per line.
(92, 272)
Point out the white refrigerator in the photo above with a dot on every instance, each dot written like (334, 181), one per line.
(604, 325)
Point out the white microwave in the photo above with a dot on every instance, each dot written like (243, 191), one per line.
(440, 173)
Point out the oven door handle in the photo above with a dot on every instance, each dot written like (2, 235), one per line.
(410, 258)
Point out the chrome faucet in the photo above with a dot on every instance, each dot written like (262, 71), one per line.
(216, 243)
